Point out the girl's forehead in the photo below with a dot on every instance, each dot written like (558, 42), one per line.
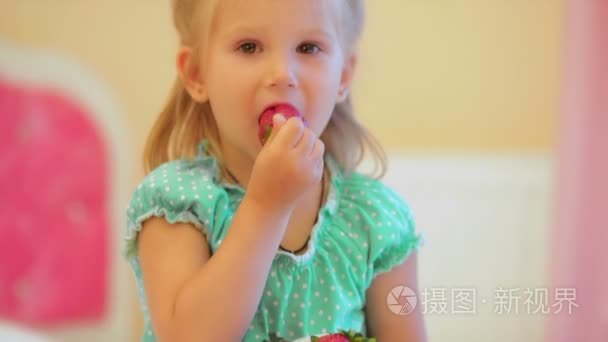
(276, 14)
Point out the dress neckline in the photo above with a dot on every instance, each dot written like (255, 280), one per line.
(327, 210)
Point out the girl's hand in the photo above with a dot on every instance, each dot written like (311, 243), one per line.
(290, 163)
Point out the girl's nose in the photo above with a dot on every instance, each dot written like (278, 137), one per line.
(282, 71)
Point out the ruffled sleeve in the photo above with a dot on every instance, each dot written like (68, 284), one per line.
(388, 224)
(180, 191)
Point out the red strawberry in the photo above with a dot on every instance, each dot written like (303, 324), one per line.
(343, 336)
(265, 123)
(334, 338)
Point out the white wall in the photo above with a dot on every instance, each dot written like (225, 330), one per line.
(485, 219)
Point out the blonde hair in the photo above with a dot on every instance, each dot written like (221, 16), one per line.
(183, 123)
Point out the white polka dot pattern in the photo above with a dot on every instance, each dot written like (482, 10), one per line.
(363, 229)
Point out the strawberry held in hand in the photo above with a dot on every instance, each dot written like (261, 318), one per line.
(265, 122)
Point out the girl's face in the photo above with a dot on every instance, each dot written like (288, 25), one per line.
(263, 52)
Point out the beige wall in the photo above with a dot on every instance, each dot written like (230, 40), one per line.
(466, 74)
(450, 75)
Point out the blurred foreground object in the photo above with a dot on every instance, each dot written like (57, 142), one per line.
(581, 223)
(62, 175)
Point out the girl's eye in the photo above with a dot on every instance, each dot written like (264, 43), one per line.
(309, 48)
(248, 48)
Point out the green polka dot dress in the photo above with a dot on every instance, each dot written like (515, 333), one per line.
(363, 229)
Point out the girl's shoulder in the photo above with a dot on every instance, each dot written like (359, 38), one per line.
(373, 194)
(175, 184)
(183, 191)
(372, 209)
(173, 177)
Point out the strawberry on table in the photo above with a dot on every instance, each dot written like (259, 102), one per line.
(333, 338)
(344, 336)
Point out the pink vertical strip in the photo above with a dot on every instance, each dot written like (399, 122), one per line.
(580, 247)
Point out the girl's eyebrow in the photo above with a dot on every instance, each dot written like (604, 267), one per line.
(236, 30)
(319, 32)
(243, 29)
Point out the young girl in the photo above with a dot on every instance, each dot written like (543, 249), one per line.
(231, 239)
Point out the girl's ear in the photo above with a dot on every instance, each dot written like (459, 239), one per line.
(189, 72)
(348, 72)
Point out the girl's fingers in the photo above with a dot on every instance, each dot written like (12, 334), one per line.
(278, 120)
(291, 133)
(318, 150)
(307, 142)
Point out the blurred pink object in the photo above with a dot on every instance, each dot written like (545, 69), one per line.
(580, 254)
(54, 227)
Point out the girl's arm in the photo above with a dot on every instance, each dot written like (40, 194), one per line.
(382, 323)
(193, 297)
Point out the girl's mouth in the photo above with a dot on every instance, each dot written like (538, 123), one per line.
(265, 120)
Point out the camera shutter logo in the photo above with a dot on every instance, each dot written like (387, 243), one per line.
(392, 300)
